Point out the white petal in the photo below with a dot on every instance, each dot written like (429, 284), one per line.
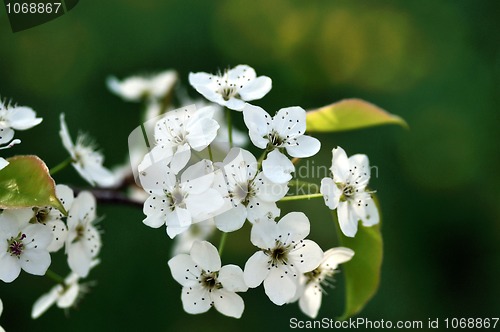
(202, 168)
(44, 303)
(235, 104)
(195, 300)
(241, 70)
(335, 256)
(340, 165)
(35, 261)
(307, 146)
(228, 303)
(65, 195)
(9, 268)
(37, 236)
(232, 219)
(310, 301)
(196, 79)
(201, 133)
(264, 234)
(3, 162)
(22, 118)
(257, 121)
(277, 167)
(154, 209)
(331, 193)
(279, 286)
(180, 158)
(179, 217)
(64, 133)
(78, 259)
(256, 269)
(173, 231)
(196, 185)
(59, 235)
(348, 220)
(206, 256)
(6, 135)
(367, 211)
(256, 88)
(162, 83)
(268, 190)
(306, 256)
(204, 205)
(69, 296)
(231, 278)
(293, 227)
(290, 122)
(258, 210)
(100, 174)
(184, 270)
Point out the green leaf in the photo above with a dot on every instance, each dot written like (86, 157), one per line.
(349, 114)
(26, 182)
(362, 272)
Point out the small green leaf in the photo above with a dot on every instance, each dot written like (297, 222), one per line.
(349, 114)
(362, 273)
(26, 182)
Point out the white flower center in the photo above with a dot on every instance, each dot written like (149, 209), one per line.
(278, 254)
(16, 245)
(177, 198)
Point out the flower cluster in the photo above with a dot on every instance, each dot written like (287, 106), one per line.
(191, 189)
(29, 235)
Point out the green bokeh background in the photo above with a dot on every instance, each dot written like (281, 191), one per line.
(435, 63)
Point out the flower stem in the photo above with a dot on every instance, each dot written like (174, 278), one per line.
(261, 159)
(300, 197)
(222, 242)
(229, 127)
(54, 276)
(61, 166)
(210, 153)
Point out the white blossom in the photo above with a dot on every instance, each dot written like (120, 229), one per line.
(283, 131)
(49, 217)
(83, 242)
(252, 196)
(22, 246)
(233, 87)
(64, 296)
(312, 283)
(176, 203)
(137, 88)
(205, 283)
(181, 130)
(283, 257)
(15, 118)
(85, 159)
(347, 191)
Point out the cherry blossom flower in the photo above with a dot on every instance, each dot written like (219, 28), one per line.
(347, 191)
(311, 290)
(251, 194)
(64, 296)
(233, 87)
(205, 283)
(22, 246)
(86, 160)
(83, 242)
(15, 118)
(283, 257)
(137, 88)
(48, 216)
(175, 203)
(181, 130)
(283, 131)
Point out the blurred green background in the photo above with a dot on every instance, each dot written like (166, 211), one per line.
(435, 63)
